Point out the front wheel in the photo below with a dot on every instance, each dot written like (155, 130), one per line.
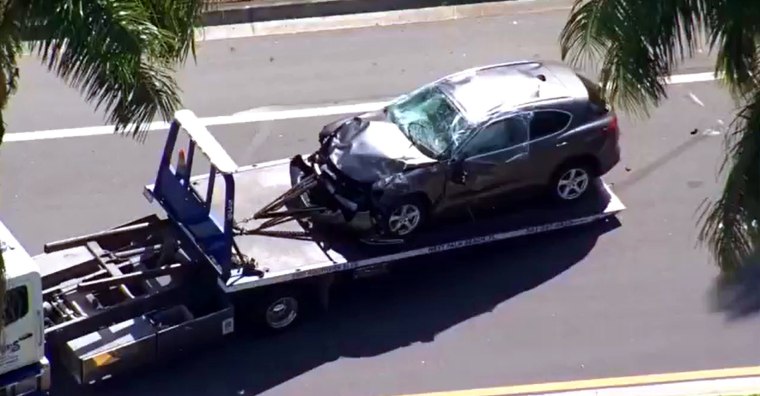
(403, 218)
(571, 182)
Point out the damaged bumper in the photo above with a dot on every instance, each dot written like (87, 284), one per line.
(347, 201)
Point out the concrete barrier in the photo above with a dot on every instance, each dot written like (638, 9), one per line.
(236, 12)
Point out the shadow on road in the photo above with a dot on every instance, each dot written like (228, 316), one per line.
(738, 296)
(373, 317)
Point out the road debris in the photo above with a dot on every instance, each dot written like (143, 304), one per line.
(695, 99)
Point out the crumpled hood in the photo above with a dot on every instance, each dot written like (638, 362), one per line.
(370, 149)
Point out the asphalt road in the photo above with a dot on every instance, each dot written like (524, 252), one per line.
(593, 302)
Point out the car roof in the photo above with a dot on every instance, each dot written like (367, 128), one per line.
(486, 91)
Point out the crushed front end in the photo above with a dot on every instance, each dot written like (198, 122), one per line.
(346, 200)
(362, 165)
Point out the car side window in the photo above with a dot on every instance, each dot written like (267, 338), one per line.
(499, 135)
(548, 122)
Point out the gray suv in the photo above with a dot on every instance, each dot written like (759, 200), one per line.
(477, 136)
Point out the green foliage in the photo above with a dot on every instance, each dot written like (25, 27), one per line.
(120, 54)
(639, 44)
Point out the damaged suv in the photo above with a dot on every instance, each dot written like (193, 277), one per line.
(477, 135)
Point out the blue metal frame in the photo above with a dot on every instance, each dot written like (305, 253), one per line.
(192, 214)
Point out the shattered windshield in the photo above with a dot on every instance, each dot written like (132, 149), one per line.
(429, 120)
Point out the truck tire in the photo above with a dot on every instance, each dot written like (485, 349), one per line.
(280, 311)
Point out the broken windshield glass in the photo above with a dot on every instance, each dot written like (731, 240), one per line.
(429, 120)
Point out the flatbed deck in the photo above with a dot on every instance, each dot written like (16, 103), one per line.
(287, 258)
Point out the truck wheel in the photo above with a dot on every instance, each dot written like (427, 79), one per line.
(404, 217)
(571, 181)
(279, 312)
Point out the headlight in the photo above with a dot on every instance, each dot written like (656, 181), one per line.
(381, 184)
(385, 183)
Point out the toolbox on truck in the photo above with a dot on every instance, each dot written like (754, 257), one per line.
(120, 347)
(144, 340)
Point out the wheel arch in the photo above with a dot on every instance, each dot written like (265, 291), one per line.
(420, 195)
(589, 160)
(423, 197)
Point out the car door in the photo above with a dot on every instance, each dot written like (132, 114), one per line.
(548, 146)
(492, 162)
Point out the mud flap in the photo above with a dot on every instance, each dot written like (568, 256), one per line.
(324, 286)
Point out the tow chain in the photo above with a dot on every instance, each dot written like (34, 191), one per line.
(276, 218)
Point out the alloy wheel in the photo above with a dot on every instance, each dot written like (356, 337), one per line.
(573, 183)
(404, 219)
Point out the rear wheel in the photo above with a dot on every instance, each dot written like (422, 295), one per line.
(281, 313)
(572, 181)
(278, 311)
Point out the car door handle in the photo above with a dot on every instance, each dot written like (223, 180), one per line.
(560, 144)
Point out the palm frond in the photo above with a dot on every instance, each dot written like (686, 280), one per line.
(12, 16)
(179, 18)
(639, 42)
(11, 21)
(733, 30)
(119, 53)
(730, 223)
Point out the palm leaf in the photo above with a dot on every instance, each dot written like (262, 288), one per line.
(179, 18)
(733, 29)
(639, 42)
(121, 54)
(11, 22)
(729, 224)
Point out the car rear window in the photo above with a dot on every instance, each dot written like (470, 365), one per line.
(548, 122)
(598, 104)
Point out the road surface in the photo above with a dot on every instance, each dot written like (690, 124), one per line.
(635, 299)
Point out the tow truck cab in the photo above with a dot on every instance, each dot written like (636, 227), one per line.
(24, 369)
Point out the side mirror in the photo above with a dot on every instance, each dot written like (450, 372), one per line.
(458, 173)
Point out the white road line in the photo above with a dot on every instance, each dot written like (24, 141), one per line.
(251, 116)
(245, 117)
(691, 78)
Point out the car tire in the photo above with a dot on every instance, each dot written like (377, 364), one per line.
(404, 218)
(572, 181)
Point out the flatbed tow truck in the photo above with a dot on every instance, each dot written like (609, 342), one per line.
(130, 296)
